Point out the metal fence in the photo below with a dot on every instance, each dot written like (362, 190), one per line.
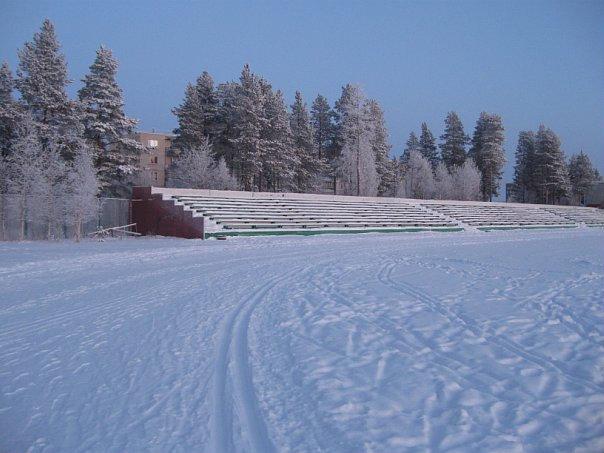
(111, 212)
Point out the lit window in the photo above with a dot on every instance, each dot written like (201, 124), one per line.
(152, 143)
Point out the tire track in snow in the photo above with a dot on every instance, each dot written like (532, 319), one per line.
(509, 345)
(233, 347)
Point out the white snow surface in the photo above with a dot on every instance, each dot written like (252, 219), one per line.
(465, 342)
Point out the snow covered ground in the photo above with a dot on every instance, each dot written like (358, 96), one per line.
(467, 342)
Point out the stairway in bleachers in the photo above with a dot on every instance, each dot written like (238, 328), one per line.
(210, 213)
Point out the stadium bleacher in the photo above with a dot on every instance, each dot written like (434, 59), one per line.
(233, 214)
(207, 213)
(588, 216)
(495, 215)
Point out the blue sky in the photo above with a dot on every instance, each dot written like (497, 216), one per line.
(532, 62)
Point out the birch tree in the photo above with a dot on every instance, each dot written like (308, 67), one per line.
(466, 181)
(196, 169)
(418, 179)
(443, 183)
(81, 191)
(24, 173)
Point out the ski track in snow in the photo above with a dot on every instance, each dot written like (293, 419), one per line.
(459, 342)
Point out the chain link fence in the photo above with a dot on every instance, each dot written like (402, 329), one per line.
(21, 223)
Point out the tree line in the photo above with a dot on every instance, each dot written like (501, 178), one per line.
(247, 128)
(57, 154)
(242, 135)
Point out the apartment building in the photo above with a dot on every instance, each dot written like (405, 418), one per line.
(156, 161)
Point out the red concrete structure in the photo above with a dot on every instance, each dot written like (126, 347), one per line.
(155, 216)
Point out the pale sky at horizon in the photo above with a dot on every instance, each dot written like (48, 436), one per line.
(535, 62)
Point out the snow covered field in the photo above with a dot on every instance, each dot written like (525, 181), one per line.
(380, 343)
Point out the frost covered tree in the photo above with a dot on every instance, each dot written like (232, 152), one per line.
(199, 114)
(249, 122)
(23, 173)
(10, 115)
(81, 189)
(418, 179)
(454, 141)
(582, 176)
(524, 170)
(196, 169)
(10, 110)
(427, 146)
(412, 144)
(42, 80)
(3, 194)
(381, 148)
(443, 183)
(310, 164)
(280, 160)
(356, 164)
(466, 181)
(322, 121)
(550, 170)
(488, 153)
(106, 128)
(48, 193)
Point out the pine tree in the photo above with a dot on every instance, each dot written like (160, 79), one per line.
(454, 141)
(228, 106)
(42, 80)
(279, 160)
(411, 145)
(582, 176)
(339, 113)
(488, 153)
(381, 147)
(356, 164)
(106, 127)
(10, 110)
(551, 170)
(198, 115)
(322, 120)
(427, 146)
(525, 168)
(249, 121)
(311, 165)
